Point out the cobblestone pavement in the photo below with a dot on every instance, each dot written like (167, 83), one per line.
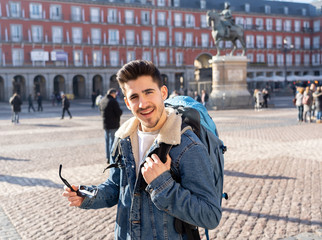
(272, 175)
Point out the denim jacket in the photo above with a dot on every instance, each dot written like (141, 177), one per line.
(149, 213)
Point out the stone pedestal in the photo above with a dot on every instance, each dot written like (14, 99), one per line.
(229, 87)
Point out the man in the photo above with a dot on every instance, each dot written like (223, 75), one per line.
(30, 103)
(229, 21)
(65, 106)
(197, 97)
(149, 212)
(39, 101)
(16, 103)
(111, 114)
(204, 97)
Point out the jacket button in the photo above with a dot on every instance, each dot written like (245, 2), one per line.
(135, 222)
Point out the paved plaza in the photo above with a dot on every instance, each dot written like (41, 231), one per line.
(272, 174)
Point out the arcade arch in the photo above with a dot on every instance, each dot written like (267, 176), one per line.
(79, 86)
(19, 86)
(40, 85)
(59, 84)
(97, 84)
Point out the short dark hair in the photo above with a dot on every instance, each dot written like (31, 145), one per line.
(111, 91)
(137, 68)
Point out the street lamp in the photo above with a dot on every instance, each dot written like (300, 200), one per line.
(286, 48)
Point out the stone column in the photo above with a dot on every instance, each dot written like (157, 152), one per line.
(229, 86)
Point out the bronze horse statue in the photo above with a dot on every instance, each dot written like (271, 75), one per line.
(219, 32)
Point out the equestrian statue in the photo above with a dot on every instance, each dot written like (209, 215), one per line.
(225, 29)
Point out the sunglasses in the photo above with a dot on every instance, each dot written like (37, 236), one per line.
(82, 192)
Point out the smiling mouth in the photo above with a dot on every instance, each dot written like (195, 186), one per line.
(146, 111)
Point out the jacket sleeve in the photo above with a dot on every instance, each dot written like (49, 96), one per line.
(116, 108)
(194, 200)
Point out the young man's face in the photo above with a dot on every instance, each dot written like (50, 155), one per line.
(146, 101)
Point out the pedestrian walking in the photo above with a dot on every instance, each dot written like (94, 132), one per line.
(197, 96)
(299, 103)
(30, 103)
(265, 97)
(39, 101)
(307, 104)
(318, 103)
(204, 97)
(259, 100)
(111, 114)
(65, 106)
(149, 199)
(16, 103)
(94, 95)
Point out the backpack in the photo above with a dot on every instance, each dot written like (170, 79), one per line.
(195, 115)
(306, 99)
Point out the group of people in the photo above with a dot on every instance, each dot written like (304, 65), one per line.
(309, 103)
(261, 98)
(16, 102)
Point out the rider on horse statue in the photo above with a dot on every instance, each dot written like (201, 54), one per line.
(228, 18)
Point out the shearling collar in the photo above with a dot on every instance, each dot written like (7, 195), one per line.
(170, 133)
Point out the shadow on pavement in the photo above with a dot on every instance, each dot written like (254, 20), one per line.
(47, 125)
(273, 217)
(29, 182)
(246, 175)
(14, 159)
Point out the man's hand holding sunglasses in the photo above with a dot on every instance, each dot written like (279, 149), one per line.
(72, 197)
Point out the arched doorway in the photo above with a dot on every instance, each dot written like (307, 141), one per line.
(79, 86)
(203, 73)
(97, 84)
(114, 84)
(1, 89)
(40, 86)
(59, 84)
(19, 86)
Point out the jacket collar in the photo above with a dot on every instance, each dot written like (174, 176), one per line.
(170, 133)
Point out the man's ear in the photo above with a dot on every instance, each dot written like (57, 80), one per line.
(127, 103)
(164, 92)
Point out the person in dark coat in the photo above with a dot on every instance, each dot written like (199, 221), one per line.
(94, 95)
(111, 114)
(16, 103)
(39, 101)
(30, 103)
(65, 105)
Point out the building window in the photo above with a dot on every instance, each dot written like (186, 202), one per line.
(146, 56)
(129, 17)
(161, 18)
(176, 3)
(267, 9)
(250, 57)
(76, 13)
(203, 4)
(289, 59)
(260, 58)
(269, 24)
(189, 39)
(279, 42)
(15, 9)
(114, 58)
(315, 59)
(130, 55)
(249, 41)
(205, 40)
(146, 39)
(178, 39)
(161, 3)
(287, 25)
(286, 10)
(57, 34)
(297, 42)
(95, 15)
(162, 59)
(162, 36)
(96, 35)
(113, 36)
(37, 34)
(35, 10)
(78, 58)
(269, 41)
(280, 59)
(278, 25)
(316, 42)
(307, 44)
(247, 7)
(179, 59)
(190, 20)
(130, 37)
(297, 59)
(17, 57)
(203, 21)
(249, 23)
(145, 17)
(303, 12)
(259, 23)
(306, 26)
(316, 26)
(177, 19)
(55, 12)
(270, 59)
(77, 35)
(97, 58)
(16, 32)
(112, 16)
(306, 59)
(239, 20)
(297, 26)
(260, 41)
